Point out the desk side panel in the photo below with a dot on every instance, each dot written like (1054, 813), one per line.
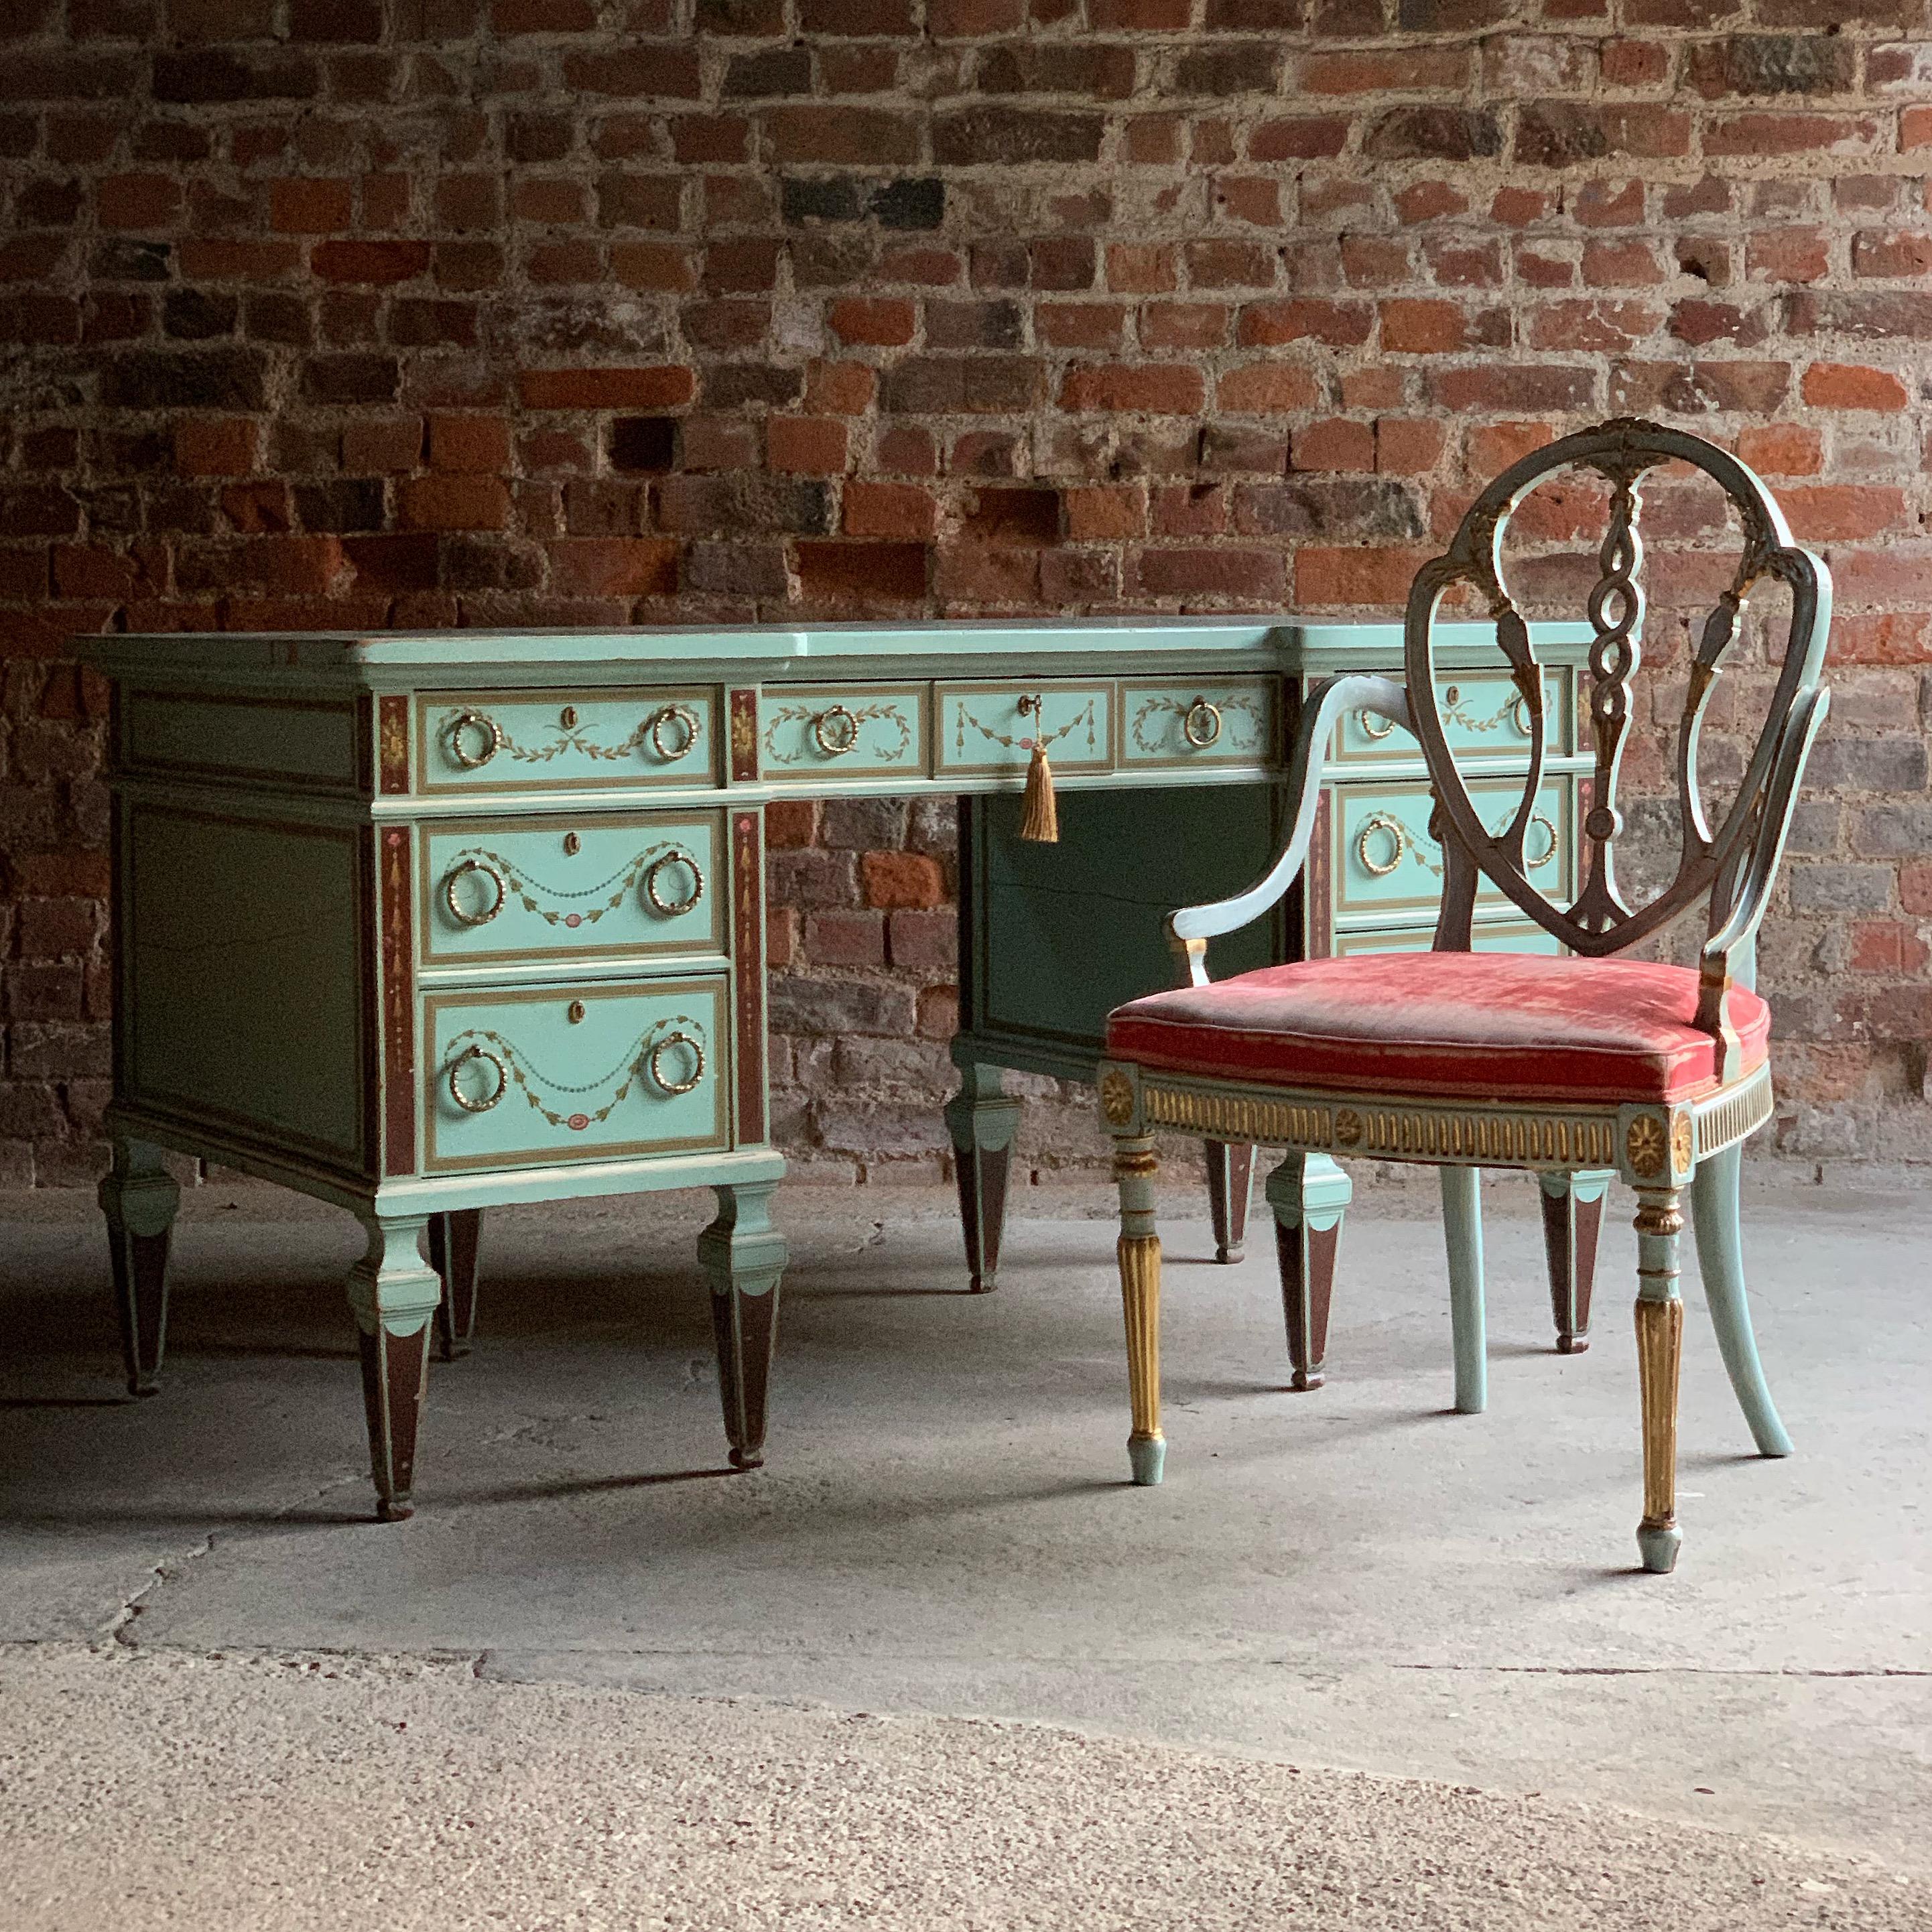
(243, 964)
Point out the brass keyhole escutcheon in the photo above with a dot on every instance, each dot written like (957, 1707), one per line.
(572, 844)
(570, 718)
(574, 1011)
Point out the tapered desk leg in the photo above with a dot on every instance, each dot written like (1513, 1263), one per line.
(394, 1293)
(1310, 1195)
(1230, 1181)
(1573, 1216)
(982, 1121)
(139, 1198)
(743, 1257)
(455, 1242)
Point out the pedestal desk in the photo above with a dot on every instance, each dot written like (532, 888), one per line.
(426, 924)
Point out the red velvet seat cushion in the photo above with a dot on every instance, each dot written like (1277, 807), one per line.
(1500, 1026)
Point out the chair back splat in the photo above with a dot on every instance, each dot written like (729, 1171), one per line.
(1717, 863)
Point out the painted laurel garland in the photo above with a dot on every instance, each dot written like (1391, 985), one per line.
(672, 731)
(483, 860)
(645, 1057)
(1164, 708)
(1045, 741)
(891, 716)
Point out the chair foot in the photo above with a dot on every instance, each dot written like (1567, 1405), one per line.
(1231, 1173)
(747, 1459)
(1658, 1543)
(1302, 1380)
(1148, 1456)
(1573, 1345)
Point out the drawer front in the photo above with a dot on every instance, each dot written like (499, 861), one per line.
(1230, 722)
(576, 1073)
(983, 732)
(1385, 862)
(1483, 716)
(554, 740)
(821, 733)
(493, 889)
(1502, 936)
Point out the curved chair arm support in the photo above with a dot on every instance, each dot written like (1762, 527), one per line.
(1189, 929)
(1759, 873)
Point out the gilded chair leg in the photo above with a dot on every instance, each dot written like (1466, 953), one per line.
(1572, 1217)
(1310, 1195)
(455, 1241)
(1660, 1343)
(140, 1199)
(1463, 1232)
(1135, 1166)
(744, 1257)
(1231, 1182)
(1714, 1217)
(982, 1121)
(394, 1293)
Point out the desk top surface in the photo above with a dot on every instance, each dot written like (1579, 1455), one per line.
(1098, 645)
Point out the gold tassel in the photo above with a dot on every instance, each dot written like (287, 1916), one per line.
(1041, 822)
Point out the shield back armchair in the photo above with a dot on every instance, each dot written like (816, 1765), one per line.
(1575, 1065)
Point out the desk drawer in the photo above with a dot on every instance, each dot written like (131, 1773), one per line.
(1483, 716)
(822, 732)
(564, 1073)
(1385, 862)
(527, 740)
(1228, 721)
(641, 882)
(983, 731)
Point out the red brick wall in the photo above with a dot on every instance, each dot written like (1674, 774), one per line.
(379, 312)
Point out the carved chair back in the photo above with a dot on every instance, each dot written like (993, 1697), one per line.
(1731, 863)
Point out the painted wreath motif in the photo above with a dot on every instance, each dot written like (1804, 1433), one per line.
(634, 1061)
(624, 880)
(1163, 706)
(865, 714)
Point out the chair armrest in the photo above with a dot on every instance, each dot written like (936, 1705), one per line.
(1189, 929)
(1758, 873)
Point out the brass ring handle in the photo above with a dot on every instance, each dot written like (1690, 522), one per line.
(1549, 850)
(1391, 828)
(672, 1087)
(847, 738)
(482, 870)
(1366, 722)
(489, 1100)
(673, 714)
(479, 720)
(1520, 716)
(1202, 739)
(672, 908)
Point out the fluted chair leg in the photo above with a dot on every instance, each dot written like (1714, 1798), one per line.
(1462, 1231)
(1134, 1167)
(1714, 1220)
(1659, 1347)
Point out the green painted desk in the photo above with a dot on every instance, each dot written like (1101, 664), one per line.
(427, 924)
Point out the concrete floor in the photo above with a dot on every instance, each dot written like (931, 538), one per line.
(1353, 1578)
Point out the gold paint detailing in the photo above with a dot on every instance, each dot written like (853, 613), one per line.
(1644, 1146)
(1660, 1216)
(1733, 1115)
(1682, 1142)
(643, 1054)
(393, 743)
(1131, 1162)
(1491, 1136)
(1201, 721)
(612, 892)
(1140, 1303)
(1660, 1338)
(744, 734)
(1117, 1098)
(836, 731)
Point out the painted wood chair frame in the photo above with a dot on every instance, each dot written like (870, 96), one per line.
(1662, 1150)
